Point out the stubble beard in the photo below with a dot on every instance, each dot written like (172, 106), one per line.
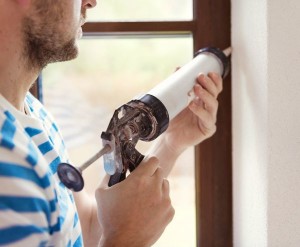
(44, 44)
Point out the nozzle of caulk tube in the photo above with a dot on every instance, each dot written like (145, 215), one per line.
(227, 51)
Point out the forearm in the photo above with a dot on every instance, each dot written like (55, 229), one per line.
(87, 210)
(95, 230)
(165, 154)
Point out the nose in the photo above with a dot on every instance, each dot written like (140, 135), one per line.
(88, 4)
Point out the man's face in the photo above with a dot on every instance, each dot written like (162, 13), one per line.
(51, 30)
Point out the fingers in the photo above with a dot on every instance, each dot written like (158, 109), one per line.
(208, 120)
(213, 83)
(167, 199)
(205, 101)
(158, 173)
(104, 182)
(217, 79)
(166, 189)
(206, 91)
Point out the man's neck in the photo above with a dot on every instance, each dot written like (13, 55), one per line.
(15, 80)
(16, 77)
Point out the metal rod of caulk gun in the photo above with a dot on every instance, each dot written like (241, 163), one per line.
(71, 176)
(106, 149)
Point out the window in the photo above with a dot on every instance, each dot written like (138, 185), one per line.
(133, 10)
(108, 73)
(209, 25)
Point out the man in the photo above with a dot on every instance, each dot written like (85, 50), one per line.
(35, 208)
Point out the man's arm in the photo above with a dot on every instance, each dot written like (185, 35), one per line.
(136, 211)
(87, 211)
(193, 125)
(132, 213)
(123, 209)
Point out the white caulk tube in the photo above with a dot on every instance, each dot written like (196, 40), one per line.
(173, 91)
(171, 96)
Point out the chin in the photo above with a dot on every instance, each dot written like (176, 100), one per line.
(67, 52)
(70, 51)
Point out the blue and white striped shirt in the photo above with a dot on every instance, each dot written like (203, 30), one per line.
(35, 207)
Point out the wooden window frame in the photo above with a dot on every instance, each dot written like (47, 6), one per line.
(210, 27)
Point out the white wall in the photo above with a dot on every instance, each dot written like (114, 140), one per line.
(266, 122)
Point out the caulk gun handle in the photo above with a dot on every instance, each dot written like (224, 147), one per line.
(131, 160)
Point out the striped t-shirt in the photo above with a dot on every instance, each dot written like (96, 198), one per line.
(36, 209)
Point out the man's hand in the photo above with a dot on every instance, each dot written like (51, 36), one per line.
(136, 211)
(198, 121)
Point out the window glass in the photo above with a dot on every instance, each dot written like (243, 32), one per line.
(116, 10)
(82, 95)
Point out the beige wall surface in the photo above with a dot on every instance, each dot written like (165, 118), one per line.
(266, 122)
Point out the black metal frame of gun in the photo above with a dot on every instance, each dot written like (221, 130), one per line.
(130, 123)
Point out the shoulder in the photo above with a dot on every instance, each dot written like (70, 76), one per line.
(23, 174)
(34, 209)
(7, 129)
(27, 198)
(38, 110)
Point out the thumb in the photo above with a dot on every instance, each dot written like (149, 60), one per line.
(104, 183)
(147, 167)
